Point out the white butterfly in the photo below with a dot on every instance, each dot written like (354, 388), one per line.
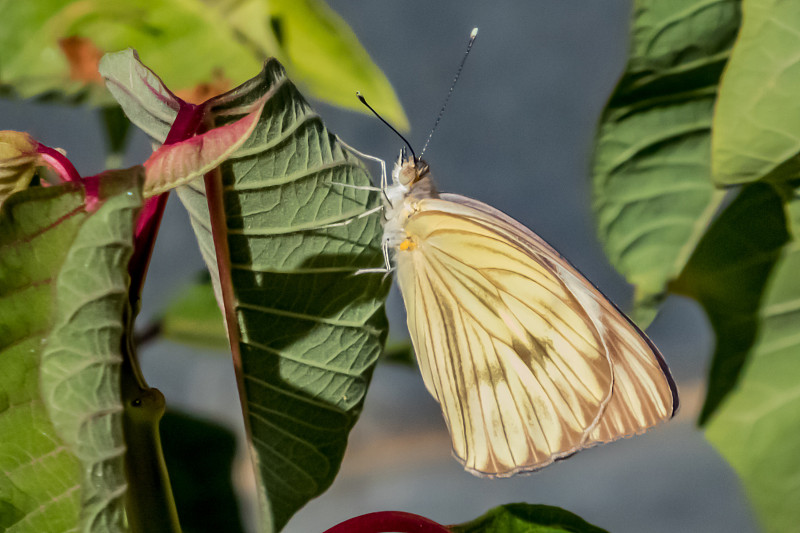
(529, 361)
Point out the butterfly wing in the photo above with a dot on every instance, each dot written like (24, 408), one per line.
(519, 349)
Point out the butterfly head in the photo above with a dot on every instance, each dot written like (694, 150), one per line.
(408, 169)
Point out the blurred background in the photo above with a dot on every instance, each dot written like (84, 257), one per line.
(517, 135)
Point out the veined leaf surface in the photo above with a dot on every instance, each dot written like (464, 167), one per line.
(63, 277)
(757, 428)
(757, 120)
(653, 195)
(527, 518)
(310, 330)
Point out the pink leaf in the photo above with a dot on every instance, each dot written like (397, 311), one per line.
(176, 164)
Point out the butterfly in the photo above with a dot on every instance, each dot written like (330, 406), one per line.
(528, 360)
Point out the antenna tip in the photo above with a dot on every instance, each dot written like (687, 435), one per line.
(474, 33)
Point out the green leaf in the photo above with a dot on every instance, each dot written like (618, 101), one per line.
(727, 275)
(757, 428)
(194, 318)
(116, 127)
(55, 432)
(18, 161)
(652, 191)
(39, 476)
(203, 488)
(310, 330)
(527, 518)
(200, 47)
(142, 95)
(400, 352)
(179, 163)
(321, 51)
(757, 123)
(80, 365)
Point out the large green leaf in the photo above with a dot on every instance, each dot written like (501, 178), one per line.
(324, 55)
(310, 330)
(757, 428)
(727, 275)
(63, 277)
(757, 122)
(527, 518)
(39, 476)
(199, 47)
(757, 137)
(80, 365)
(653, 195)
(306, 330)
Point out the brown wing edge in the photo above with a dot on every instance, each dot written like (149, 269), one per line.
(659, 358)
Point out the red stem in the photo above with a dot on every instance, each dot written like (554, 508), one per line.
(58, 162)
(385, 521)
(187, 124)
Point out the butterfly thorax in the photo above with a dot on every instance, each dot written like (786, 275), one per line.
(411, 182)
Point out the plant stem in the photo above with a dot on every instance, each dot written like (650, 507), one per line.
(150, 504)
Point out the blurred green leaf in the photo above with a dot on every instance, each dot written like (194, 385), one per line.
(400, 352)
(727, 275)
(200, 48)
(653, 196)
(757, 428)
(757, 121)
(63, 277)
(201, 475)
(527, 518)
(194, 318)
(116, 127)
(18, 161)
(322, 53)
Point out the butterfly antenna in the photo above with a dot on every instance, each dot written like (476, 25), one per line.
(364, 101)
(472, 37)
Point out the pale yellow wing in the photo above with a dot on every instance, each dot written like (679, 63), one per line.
(514, 343)
(644, 392)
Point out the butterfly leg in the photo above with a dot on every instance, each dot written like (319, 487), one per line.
(384, 178)
(350, 220)
(357, 187)
(387, 268)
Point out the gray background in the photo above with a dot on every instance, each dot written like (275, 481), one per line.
(517, 135)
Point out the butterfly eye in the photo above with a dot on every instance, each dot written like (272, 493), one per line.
(408, 173)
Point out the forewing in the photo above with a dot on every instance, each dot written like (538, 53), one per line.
(644, 392)
(517, 363)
